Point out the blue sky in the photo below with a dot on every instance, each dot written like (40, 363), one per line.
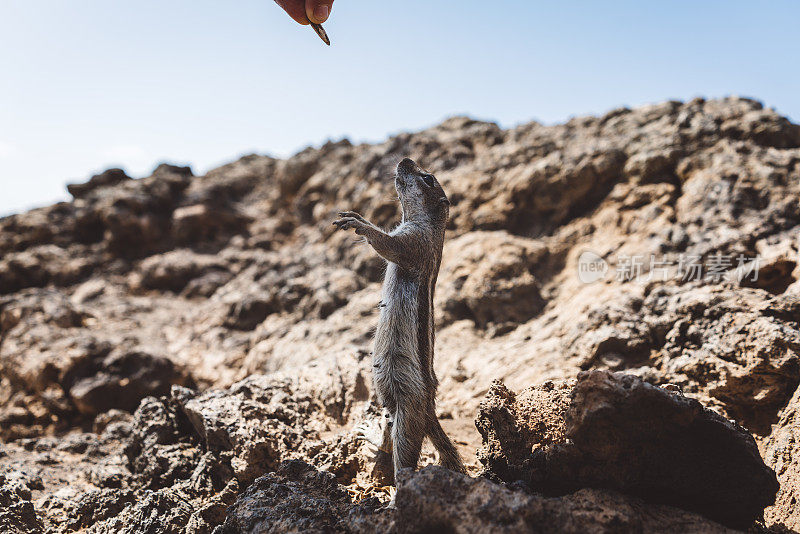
(92, 84)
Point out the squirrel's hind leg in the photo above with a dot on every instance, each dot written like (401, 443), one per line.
(448, 454)
(408, 432)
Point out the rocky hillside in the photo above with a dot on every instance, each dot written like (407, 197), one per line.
(618, 338)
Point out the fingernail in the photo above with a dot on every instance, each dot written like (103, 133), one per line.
(321, 13)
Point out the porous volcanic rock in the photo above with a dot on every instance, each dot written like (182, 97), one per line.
(783, 453)
(57, 375)
(203, 449)
(438, 500)
(17, 515)
(489, 277)
(298, 498)
(175, 269)
(738, 349)
(104, 179)
(619, 432)
(199, 282)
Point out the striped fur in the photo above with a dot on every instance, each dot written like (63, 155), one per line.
(403, 373)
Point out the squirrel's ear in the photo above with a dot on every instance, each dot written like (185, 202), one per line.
(444, 201)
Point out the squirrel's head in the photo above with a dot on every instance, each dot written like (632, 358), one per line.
(420, 193)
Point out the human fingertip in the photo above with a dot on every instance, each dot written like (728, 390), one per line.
(321, 13)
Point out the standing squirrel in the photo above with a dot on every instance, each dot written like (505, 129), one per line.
(403, 374)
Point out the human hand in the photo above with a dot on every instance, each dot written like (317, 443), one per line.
(305, 11)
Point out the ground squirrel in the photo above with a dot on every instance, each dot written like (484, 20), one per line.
(403, 373)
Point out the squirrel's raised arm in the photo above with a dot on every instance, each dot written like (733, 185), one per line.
(401, 247)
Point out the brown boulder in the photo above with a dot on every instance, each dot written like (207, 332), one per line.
(298, 498)
(17, 515)
(489, 277)
(782, 452)
(104, 179)
(621, 433)
(737, 349)
(206, 222)
(437, 500)
(58, 374)
(122, 379)
(41, 265)
(174, 270)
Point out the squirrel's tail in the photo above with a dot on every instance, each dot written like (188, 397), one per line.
(448, 454)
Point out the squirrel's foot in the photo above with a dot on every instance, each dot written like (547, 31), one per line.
(376, 430)
(371, 430)
(392, 504)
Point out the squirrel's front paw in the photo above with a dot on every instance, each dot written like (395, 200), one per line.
(352, 214)
(345, 223)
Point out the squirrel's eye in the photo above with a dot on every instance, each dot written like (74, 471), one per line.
(428, 179)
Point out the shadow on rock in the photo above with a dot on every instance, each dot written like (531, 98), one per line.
(615, 431)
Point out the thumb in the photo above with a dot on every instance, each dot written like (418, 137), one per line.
(295, 8)
(318, 11)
